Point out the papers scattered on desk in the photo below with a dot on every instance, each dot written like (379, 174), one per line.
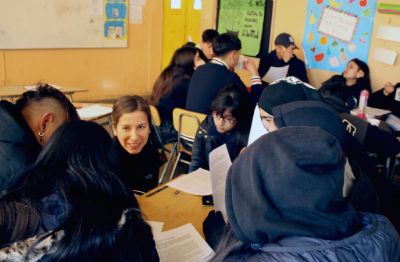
(156, 227)
(220, 162)
(197, 183)
(93, 111)
(182, 244)
(275, 73)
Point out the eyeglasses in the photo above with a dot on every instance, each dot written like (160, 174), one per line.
(226, 119)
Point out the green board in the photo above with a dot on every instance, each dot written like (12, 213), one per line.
(245, 18)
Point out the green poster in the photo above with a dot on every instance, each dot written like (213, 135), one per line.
(245, 18)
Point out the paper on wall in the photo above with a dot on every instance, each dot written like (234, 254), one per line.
(135, 14)
(391, 33)
(385, 56)
(275, 73)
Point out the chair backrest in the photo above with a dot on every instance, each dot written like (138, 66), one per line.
(155, 115)
(186, 122)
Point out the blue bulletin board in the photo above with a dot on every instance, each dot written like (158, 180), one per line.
(337, 31)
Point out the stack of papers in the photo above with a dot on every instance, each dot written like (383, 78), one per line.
(182, 244)
(93, 111)
(197, 183)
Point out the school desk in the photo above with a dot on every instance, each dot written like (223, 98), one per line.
(12, 92)
(174, 208)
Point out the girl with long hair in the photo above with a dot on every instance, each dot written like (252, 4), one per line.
(229, 124)
(171, 87)
(71, 206)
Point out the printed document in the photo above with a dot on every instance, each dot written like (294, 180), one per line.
(197, 183)
(275, 73)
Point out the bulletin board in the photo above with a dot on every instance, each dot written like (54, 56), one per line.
(63, 24)
(250, 20)
(337, 31)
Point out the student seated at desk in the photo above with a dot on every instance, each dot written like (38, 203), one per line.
(27, 125)
(135, 154)
(387, 98)
(71, 205)
(228, 124)
(171, 87)
(287, 205)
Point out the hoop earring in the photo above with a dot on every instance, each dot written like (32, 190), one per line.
(41, 135)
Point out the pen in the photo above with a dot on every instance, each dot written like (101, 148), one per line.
(156, 191)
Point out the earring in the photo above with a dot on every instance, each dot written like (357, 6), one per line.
(41, 135)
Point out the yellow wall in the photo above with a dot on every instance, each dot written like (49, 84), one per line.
(105, 72)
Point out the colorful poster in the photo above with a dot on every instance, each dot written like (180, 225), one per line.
(244, 18)
(337, 31)
(116, 19)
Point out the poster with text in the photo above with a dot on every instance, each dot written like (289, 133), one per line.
(244, 18)
(337, 31)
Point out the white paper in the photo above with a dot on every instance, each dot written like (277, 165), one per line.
(182, 244)
(385, 56)
(372, 111)
(197, 4)
(338, 24)
(156, 227)
(220, 162)
(138, 2)
(135, 14)
(394, 122)
(257, 128)
(197, 183)
(275, 73)
(391, 33)
(176, 4)
(93, 111)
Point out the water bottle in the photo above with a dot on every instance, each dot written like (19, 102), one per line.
(362, 104)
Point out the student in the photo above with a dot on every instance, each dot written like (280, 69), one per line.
(206, 44)
(71, 206)
(343, 91)
(27, 125)
(387, 98)
(284, 203)
(135, 155)
(210, 78)
(283, 56)
(171, 87)
(227, 124)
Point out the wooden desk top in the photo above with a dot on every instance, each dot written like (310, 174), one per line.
(15, 91)
(175, 208)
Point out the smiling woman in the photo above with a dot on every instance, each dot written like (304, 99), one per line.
(134, 154)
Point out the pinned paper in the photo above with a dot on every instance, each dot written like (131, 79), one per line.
(385, 56)
(391, 33)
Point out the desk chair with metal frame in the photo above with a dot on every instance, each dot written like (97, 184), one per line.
(186, 124)
(156, 122)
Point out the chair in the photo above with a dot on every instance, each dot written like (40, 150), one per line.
(156, 122)
(186, 124)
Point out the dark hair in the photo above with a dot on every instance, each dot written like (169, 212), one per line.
(189, 44)
(181, 67)
(225, 43)
(232, 99)
(364, 81)
(209, 35)
(129, 104)
(45, 91)
(75, 165)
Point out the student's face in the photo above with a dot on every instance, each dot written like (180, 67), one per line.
(268, 121)
(198, 61)
(352, 71)
(224, 123)
(132, 131)
(285, 53)
(207, 49)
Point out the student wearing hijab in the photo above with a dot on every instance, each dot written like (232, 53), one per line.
(284, 203)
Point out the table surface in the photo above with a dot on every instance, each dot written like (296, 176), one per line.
(175, 208)
(13, 91)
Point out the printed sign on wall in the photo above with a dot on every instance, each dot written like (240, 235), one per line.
(337, 31)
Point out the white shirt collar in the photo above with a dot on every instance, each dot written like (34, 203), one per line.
(219, 62)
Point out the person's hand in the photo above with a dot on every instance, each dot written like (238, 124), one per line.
(250, 66)
(388, 88)
(213, 228)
